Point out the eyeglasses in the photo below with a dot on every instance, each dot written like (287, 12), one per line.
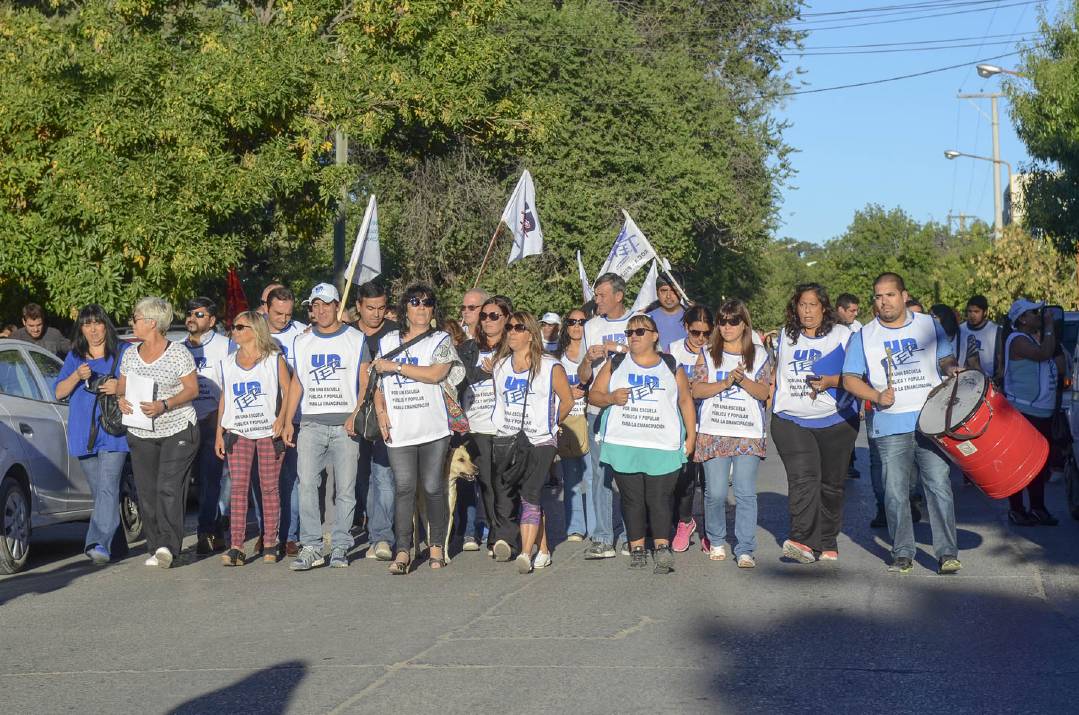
(518, 328)
(570, 322)
(200, 314)
(639, 332)
(699, 333)
(470, 308)
(137, 318)
(240, 327)
(734, 320)
(425, 302)
(492, 316)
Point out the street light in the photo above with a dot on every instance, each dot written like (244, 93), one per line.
(998, 199)
(986, 71)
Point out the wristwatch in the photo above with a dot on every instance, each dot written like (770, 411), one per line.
(399, 366)
(164, 405)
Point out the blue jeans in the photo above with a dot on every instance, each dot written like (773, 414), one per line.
(576, 480)
(103, 471)
(468, 500)
(716, 473)
(210, 475)
(876, 476)
(608, 522)
(899, 455)
(290, 496)
(380, 491)
(318, 447)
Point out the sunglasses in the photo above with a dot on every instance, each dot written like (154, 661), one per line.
(492, 316)
(518, 328)
(240, 327)
(470, 308)
(639, 332)
(699, 333)
(425, 302)
(735, 320)
(200, 314)
(570, 322)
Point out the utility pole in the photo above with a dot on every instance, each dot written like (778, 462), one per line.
(340, 141)
(962, 217)
(998, 197)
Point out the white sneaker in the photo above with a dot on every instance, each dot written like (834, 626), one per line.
(718, 553)
(152, 561)
(542, 560)
(524, 564)
(746, 561)
(163, 557)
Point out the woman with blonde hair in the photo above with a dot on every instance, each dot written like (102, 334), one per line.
(648, 432)
(532, 397)
(733, 378)
(251, 417)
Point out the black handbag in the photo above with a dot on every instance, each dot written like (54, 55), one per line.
(510, 453)
(366, 423)
(108, 406)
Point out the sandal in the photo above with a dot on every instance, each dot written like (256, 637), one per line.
(399, 568)
(437, 563)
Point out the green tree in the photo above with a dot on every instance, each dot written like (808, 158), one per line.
(1018, 265)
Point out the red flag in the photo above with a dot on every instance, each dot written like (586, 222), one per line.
(235, 300)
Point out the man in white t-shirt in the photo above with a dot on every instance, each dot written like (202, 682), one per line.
(550, 325)
(846, 311)
(604, 335)
(470, 310)
(981, 340)
(208, 348)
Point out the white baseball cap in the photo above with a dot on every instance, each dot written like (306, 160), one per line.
(1022, 305)
(324, 292)
(551, 318)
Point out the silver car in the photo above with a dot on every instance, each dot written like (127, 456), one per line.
(40, 484)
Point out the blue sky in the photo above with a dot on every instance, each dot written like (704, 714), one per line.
(885, 143)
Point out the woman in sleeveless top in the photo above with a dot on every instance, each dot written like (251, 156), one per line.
(574, 461)
(250, 419)
(647, 434)
(532, 395)
(733, 378)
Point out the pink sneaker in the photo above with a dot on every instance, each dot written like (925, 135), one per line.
(706, 545)
(682, 534)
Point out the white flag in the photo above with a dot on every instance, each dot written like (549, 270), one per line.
(521, 217)
(586, 286)
(648, 294)
(366, 261)
(630, 251)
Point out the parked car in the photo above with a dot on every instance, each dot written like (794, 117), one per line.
(177, 333)
(40, 484)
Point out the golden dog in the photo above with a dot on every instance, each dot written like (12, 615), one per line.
(459, 465)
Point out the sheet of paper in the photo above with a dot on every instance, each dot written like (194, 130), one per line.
(139, 389)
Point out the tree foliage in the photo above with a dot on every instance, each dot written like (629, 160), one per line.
(1018, 265)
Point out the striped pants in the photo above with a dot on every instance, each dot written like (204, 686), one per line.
(243, 453)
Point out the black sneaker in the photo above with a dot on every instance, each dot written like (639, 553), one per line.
(1042, 517)
(880, 521)
(600, 551)
(664, 560)
(915, 512)
(638, 559)
(902, 564)
(1021, 517)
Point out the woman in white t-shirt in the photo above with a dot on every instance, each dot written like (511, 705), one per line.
(573, 448)
(532, 395)
(733, 379)
(250, 419)
(161, 455)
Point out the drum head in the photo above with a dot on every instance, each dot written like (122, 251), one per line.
(968, 398)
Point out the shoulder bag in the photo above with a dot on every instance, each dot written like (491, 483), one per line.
(366, 423)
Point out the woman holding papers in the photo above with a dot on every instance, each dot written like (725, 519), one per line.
(732, 377)
(814, 422)
(157, 384)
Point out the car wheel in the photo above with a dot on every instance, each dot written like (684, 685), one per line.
(14, 526)
(130, 517)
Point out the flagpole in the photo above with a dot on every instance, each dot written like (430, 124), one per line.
(486, 256)
(667, 271)
(348, 284)
(365, 225)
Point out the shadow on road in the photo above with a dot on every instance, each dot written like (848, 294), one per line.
(267, 691)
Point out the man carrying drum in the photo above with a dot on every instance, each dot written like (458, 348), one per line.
(894, 362)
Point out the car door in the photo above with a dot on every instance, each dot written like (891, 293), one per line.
(48, 367)
(40, 430)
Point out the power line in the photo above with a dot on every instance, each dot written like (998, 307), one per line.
(929, 4)
(894, 20)
(914, 42)
(979, 45)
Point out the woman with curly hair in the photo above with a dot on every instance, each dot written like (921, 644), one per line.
(814, 423)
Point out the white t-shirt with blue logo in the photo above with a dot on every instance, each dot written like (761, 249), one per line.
(797, 360)
(599, 330)
(251, 396)
(208, 357)
(917, 348)
(328, 368)
(286, 337)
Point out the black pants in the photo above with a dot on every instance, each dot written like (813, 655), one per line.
(498, 502)
(684, 490)
(420, 466)
(816, 461)
(162, 469)
(1036, 489)
(647, 502)
(530, 488)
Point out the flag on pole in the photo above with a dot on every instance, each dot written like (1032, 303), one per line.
(630, 251)
(235, 300)
(521, 217)
(648, 294)
(366, 261)
(586, 286)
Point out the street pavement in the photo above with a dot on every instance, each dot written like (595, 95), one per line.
(580, 636)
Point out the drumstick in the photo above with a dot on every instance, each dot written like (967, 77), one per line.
(888, 364)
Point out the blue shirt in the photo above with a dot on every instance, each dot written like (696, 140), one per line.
(884, 422)
(81, 406)
(670, 326)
